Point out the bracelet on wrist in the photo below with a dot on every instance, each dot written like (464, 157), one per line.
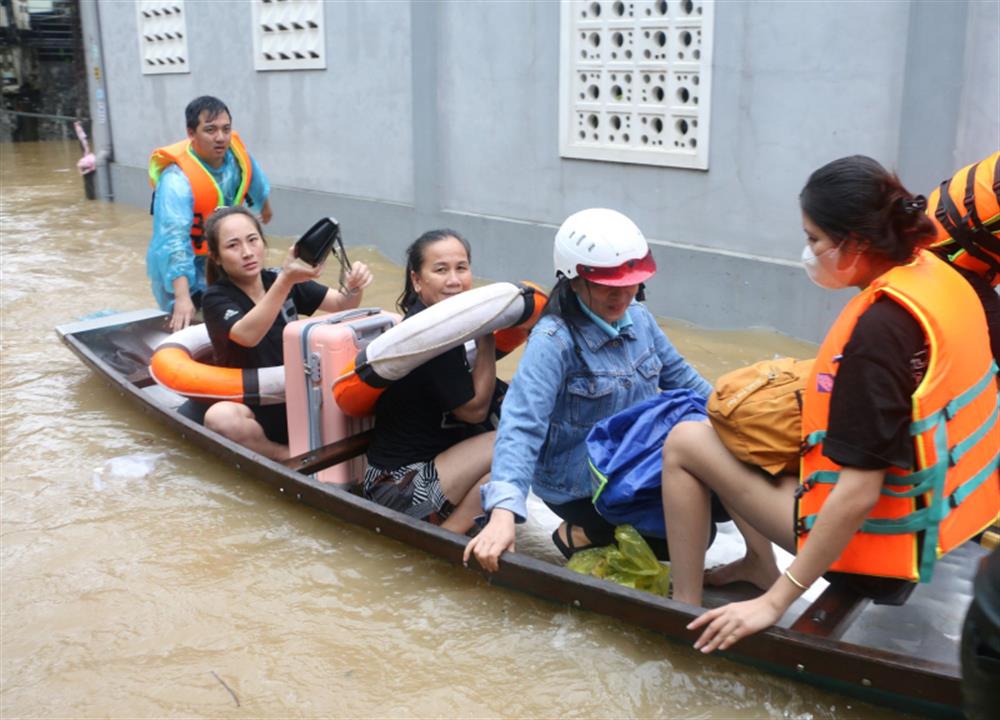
(793, 581)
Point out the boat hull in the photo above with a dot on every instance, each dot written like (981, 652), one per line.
(902, 681)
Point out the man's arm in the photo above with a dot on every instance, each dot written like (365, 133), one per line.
(171, 257)
(260, 191)
(184, 308)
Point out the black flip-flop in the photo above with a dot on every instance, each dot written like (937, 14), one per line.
(568, 550)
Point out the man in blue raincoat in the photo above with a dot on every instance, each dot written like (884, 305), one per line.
(190, 178)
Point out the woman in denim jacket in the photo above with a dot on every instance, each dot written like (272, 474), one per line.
(594, 352)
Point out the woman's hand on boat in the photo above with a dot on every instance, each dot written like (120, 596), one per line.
(492, 541)
(730, 623)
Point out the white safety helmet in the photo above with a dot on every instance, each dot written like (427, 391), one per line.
(604, 247)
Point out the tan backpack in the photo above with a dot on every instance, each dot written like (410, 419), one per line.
(757, 411)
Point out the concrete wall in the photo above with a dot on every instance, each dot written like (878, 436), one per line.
(951, 107)
(979, 103)
(344, 130)
(446, 114)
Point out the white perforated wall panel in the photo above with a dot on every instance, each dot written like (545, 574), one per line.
(162, 37)
(288, 35)
(635, 81)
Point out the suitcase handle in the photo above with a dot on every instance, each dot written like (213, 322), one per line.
(345, 315)
(367, 330)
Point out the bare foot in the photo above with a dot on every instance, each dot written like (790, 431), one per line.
(760, 572)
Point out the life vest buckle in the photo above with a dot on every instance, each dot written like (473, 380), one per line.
(805, 487)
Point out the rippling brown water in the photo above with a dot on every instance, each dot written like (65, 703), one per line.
(139, 574)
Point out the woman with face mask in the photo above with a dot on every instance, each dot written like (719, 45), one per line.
(899, 420)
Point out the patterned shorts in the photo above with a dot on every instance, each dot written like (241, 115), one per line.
(412, 489)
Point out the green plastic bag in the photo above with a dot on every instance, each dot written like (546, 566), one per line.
(631, 563)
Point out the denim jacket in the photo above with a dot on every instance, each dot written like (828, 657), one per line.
(558, 394)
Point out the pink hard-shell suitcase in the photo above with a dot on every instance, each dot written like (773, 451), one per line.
(316, 351)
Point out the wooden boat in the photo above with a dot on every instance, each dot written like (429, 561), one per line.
(903, 657)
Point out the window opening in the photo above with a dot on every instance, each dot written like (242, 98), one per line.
(288, 35)
(636, 81)
(162, 30)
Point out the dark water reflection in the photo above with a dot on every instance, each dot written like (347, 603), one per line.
(140, 573)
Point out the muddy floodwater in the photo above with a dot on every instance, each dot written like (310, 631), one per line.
(144, 578)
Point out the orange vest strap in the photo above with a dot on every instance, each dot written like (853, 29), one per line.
(929, 480)
(967, 216)
(958, 225)
(206, 192)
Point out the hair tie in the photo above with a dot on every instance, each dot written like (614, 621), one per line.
(913, 206)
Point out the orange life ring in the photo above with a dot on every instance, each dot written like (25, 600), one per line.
(177, 366)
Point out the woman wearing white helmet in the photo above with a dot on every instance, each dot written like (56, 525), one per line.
(594, 352)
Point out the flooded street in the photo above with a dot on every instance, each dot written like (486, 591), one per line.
(142, 577)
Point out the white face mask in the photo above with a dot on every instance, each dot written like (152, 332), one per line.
(824, 269)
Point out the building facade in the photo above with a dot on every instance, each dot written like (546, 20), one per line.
(501, 118)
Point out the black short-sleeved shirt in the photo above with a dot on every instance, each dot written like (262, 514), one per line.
(870, 407)
(413, 420)
(224, 304)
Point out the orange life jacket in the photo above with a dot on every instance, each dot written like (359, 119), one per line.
(207, 193)
(966, 212)
(954, 491)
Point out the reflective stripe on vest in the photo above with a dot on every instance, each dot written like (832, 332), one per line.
(206, 192)
(965, 210)
(954, 491)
